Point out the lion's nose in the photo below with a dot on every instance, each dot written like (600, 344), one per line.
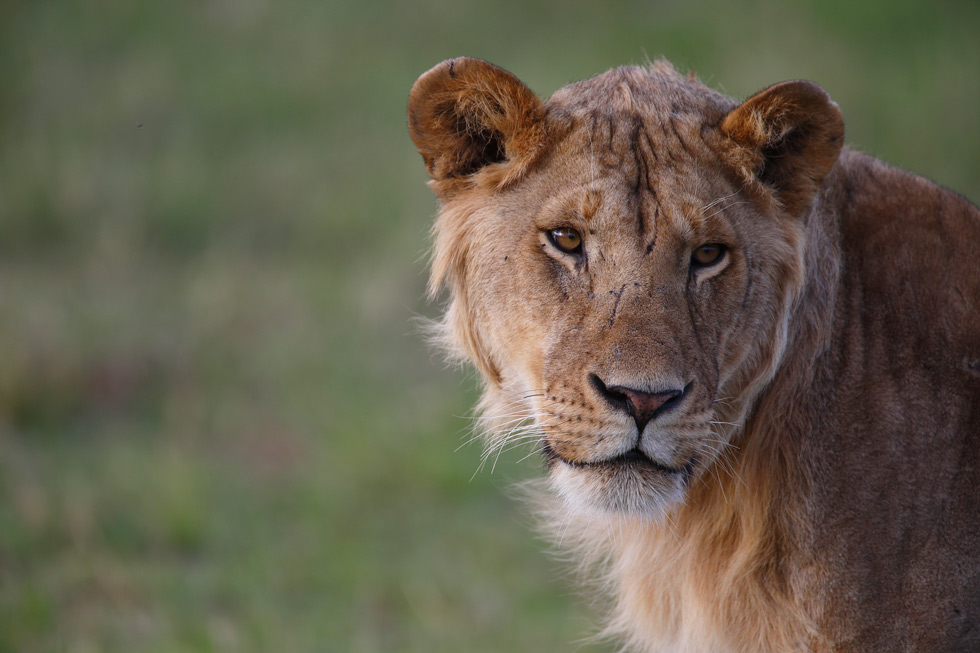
(642, 405)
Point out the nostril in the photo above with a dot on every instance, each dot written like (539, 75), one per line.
(641, 405)
(617, 399)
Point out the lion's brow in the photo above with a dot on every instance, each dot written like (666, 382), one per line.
(591, 204)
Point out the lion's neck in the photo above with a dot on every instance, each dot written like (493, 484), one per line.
(711, 576)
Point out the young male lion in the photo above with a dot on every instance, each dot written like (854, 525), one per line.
(750, 356)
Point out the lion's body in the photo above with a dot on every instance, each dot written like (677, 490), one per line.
(777, 449)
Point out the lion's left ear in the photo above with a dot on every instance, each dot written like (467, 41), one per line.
(787, 136)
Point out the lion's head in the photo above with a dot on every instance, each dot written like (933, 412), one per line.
(621, 262)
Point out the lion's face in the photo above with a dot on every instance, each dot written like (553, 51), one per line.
(616, 316)
(618, 277)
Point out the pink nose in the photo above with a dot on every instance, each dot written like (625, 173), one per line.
(645, 403)
(642, 406)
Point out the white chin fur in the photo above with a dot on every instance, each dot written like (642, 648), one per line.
(621, 490)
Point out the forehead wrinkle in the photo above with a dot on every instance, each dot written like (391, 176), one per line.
(627, 142)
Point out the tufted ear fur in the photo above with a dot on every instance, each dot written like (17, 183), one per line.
(466, 114)
(788, 137)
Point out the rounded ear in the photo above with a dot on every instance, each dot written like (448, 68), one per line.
(788, 137)
(465, 114)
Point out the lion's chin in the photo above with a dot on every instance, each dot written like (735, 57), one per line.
(627, 485)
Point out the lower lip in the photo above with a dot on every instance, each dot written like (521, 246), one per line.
(632, 458)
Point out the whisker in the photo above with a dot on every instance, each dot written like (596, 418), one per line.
(721, 209)
(719, 200)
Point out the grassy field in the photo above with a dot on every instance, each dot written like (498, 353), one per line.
(219, 430)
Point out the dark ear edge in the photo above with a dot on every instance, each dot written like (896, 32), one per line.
(465, 114)
(788, 137)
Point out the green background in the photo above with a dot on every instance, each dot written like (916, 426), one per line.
(219, 428)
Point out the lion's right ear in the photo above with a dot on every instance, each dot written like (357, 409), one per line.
(466, 114)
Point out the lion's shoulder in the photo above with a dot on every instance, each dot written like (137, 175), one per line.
(909, 249)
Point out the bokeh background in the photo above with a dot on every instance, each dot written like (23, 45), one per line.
(219, 428)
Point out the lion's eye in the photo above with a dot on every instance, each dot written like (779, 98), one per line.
(707, 255)
(566, 239)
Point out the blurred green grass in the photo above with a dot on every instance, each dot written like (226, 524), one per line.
(218, 427)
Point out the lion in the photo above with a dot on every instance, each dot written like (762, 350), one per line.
(749, 355)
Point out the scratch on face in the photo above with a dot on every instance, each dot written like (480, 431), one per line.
(619, 297)
(645, 187)
(656, 226)
(677, 135)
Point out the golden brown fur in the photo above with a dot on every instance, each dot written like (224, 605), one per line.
(775, 450)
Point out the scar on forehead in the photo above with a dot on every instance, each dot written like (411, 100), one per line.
(591, 204)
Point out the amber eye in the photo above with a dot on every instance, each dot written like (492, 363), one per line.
(566, 239)
(707, 255)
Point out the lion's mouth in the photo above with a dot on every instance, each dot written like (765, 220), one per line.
(634, 459)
